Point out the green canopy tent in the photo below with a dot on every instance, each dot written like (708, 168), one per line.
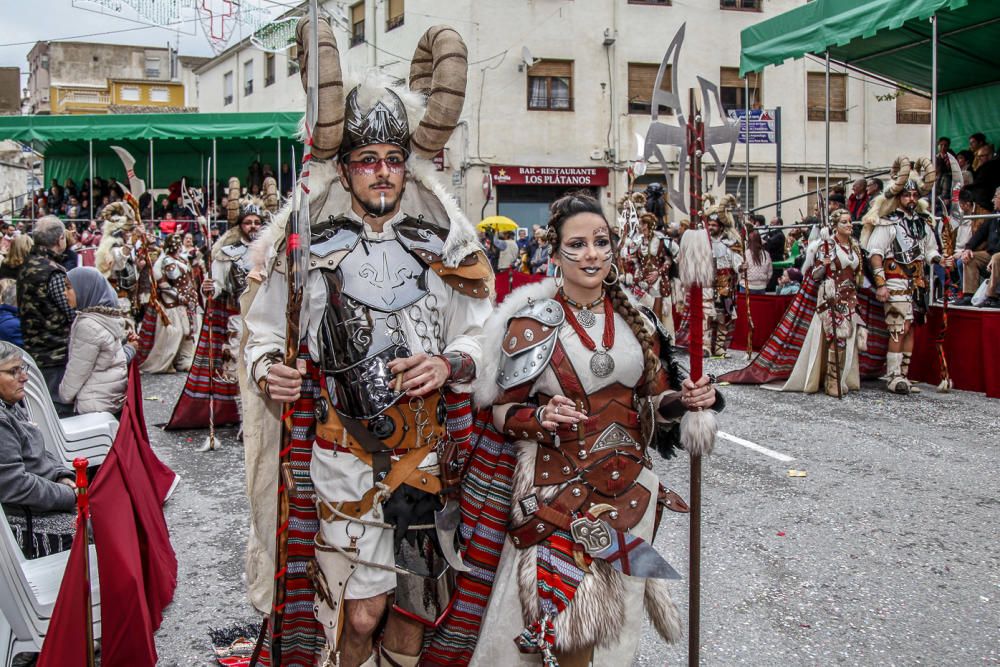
(896, 39)
(180, 144)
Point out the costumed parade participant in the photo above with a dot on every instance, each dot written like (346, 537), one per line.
(211, 395)
(829, 353)
(395, 295)
(900, 241)
(651, 255)
(116, 255)
(586, 385)
(173, 340)
(720, 300)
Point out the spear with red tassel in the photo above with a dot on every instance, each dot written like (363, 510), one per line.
(83, 523)
(698, 428)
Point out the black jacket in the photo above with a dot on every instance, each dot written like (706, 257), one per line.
(989, 231)
(775, 245)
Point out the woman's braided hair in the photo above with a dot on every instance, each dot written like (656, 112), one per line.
(582, 201)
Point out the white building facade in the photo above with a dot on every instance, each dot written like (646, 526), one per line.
(570, 117)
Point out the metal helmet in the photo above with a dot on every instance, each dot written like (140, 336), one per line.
(911, 186)
(384, 123)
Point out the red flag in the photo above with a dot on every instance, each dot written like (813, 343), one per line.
(136, 564)
(68, 626)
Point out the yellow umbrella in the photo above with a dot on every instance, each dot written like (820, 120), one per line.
(499, 223)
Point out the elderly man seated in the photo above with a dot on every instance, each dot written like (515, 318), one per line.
(31, 478)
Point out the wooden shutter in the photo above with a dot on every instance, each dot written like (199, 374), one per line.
(641, 79)
(357, 13)
(816, 96)
(729, 77)
(552, 68)
(395, 9)
(912, 109)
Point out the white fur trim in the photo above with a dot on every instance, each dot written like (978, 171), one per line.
(484, 388)
(698, 431)
(662, 611)
(695, 260)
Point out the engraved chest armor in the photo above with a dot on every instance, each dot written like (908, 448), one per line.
(127, 278)
(907, 245)
(239, 267)
(369, 294)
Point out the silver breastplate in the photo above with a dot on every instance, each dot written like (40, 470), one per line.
(906, 246)
(239, 267)
(127, 278)
(362, 326)
(720, 251)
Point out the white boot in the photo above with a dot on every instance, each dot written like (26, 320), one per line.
(895, 381)
(904, 369)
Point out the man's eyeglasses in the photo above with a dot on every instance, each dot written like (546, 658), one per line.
(16, 371)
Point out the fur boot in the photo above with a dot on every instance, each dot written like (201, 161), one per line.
(895, 381)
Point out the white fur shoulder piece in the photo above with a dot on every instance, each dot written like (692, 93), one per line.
(485, 389)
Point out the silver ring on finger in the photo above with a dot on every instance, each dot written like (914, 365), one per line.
(557, 409)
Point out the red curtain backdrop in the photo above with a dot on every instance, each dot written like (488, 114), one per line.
(972, 348)
(767, 310)
(508, 281)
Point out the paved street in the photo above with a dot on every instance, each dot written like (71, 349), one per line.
(883, 554)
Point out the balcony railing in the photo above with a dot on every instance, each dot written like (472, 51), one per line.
(83, 97)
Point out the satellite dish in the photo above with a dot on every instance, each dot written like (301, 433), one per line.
(527, 60)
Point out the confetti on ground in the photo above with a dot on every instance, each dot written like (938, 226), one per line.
(797, 473)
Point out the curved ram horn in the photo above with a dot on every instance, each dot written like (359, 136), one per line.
(269, 193)
(329, 128)
(233, 203)
(928, 175)
(900, 173)
(439, 70)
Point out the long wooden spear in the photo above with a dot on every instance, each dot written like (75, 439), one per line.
(698, 429)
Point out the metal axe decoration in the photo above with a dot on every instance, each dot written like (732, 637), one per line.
(679, 135)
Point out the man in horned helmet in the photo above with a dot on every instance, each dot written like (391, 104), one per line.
(396, 295)
(115, 257)
(899, 238)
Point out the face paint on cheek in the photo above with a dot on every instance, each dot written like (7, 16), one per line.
(362, 168)
(570, 256)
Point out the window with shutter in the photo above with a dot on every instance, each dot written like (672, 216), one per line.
(641, 80)
(358, 24)
(816, 97)
(912, 109)
(745, 5)
(293, 60)
(649, 2)
(550, 85)
(394, 15)
(732, 89)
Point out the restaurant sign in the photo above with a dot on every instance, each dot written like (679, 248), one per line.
(570, 176)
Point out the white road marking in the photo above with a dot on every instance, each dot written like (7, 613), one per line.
(755, 447)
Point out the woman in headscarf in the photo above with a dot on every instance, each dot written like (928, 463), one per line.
(99, 346)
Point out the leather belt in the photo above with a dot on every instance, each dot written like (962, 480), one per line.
(404, 471)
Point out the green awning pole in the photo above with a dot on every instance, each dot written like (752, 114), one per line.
(90, 172)
(278, 167)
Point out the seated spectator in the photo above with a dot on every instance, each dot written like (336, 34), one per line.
(31, 478)
(859, 200)
(14, 257)
(99, 346)
(965, 159)
(758, 264)
(789, 282)
(69, 258)
(10, 323)
(91, 236)
(168, 225)
(987, 258)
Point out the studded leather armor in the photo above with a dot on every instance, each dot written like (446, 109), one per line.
(239, 267)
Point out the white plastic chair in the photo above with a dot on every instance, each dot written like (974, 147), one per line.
(28, 590)
(6, 642)
(87, 436)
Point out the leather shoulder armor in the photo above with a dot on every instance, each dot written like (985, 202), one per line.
(529, 342)
(472, 277)
(422, 238)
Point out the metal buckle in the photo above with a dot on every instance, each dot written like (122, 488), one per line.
(593, 534)
(529, 504)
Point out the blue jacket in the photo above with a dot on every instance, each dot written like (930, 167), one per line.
(10, 325)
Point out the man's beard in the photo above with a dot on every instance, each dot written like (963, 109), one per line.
(382, 204)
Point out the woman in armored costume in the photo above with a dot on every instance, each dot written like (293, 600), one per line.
(837, 334)
(173, 342)
(586, 385)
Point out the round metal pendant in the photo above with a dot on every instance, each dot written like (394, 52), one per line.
(601, 364)
(586, 318)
